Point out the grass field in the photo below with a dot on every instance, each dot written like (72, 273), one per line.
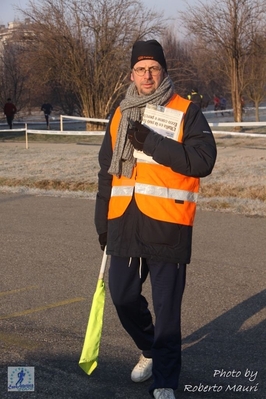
(69, 166)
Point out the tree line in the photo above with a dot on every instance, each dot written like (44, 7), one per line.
(76, 53)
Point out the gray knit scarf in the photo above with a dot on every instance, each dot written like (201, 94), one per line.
(132, 108)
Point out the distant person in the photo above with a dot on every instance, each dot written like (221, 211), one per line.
(47, 109)
(216, 102)
(9, 111)
(222, 104)
(195, 97)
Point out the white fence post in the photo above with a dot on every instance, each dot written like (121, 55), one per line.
(26, 135)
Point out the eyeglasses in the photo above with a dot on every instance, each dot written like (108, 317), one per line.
(154, 70)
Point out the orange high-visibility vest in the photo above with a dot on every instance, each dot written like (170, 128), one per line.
(159, 192)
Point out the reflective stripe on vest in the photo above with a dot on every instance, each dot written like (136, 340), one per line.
(165, 192)
(119, 191)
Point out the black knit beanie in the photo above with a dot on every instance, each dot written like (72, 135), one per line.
(148, 50)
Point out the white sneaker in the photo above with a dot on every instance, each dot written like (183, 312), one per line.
(163, 393)
(143, 370)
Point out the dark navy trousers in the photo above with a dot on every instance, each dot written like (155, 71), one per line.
(160, 340)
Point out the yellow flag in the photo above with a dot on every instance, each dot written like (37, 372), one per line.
(89, 356)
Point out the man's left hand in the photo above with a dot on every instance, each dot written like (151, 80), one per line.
(137, 134)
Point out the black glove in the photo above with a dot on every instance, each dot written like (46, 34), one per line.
(137, 134)
(103, 240)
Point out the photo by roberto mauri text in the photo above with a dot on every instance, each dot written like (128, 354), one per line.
(229, 381)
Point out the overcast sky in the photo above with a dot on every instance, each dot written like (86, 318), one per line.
(170, 8)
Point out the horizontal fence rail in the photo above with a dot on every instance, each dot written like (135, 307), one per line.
(231, 111)
(78, 118)
(239, 134)
(104, 121)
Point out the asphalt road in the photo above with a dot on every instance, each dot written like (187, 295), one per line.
(50, 260)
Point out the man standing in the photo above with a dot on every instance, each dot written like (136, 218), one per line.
(47, 109)
(144, 214)
(9, 111)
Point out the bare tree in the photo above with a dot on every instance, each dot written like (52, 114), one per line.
(18, 79)
(81, 48)
(179, 61)
(255, 73)
(228, 27)
(191, 65)
(13, 79)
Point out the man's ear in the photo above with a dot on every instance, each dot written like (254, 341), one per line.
(131, 77)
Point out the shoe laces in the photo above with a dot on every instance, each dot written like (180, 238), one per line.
(143, 362)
